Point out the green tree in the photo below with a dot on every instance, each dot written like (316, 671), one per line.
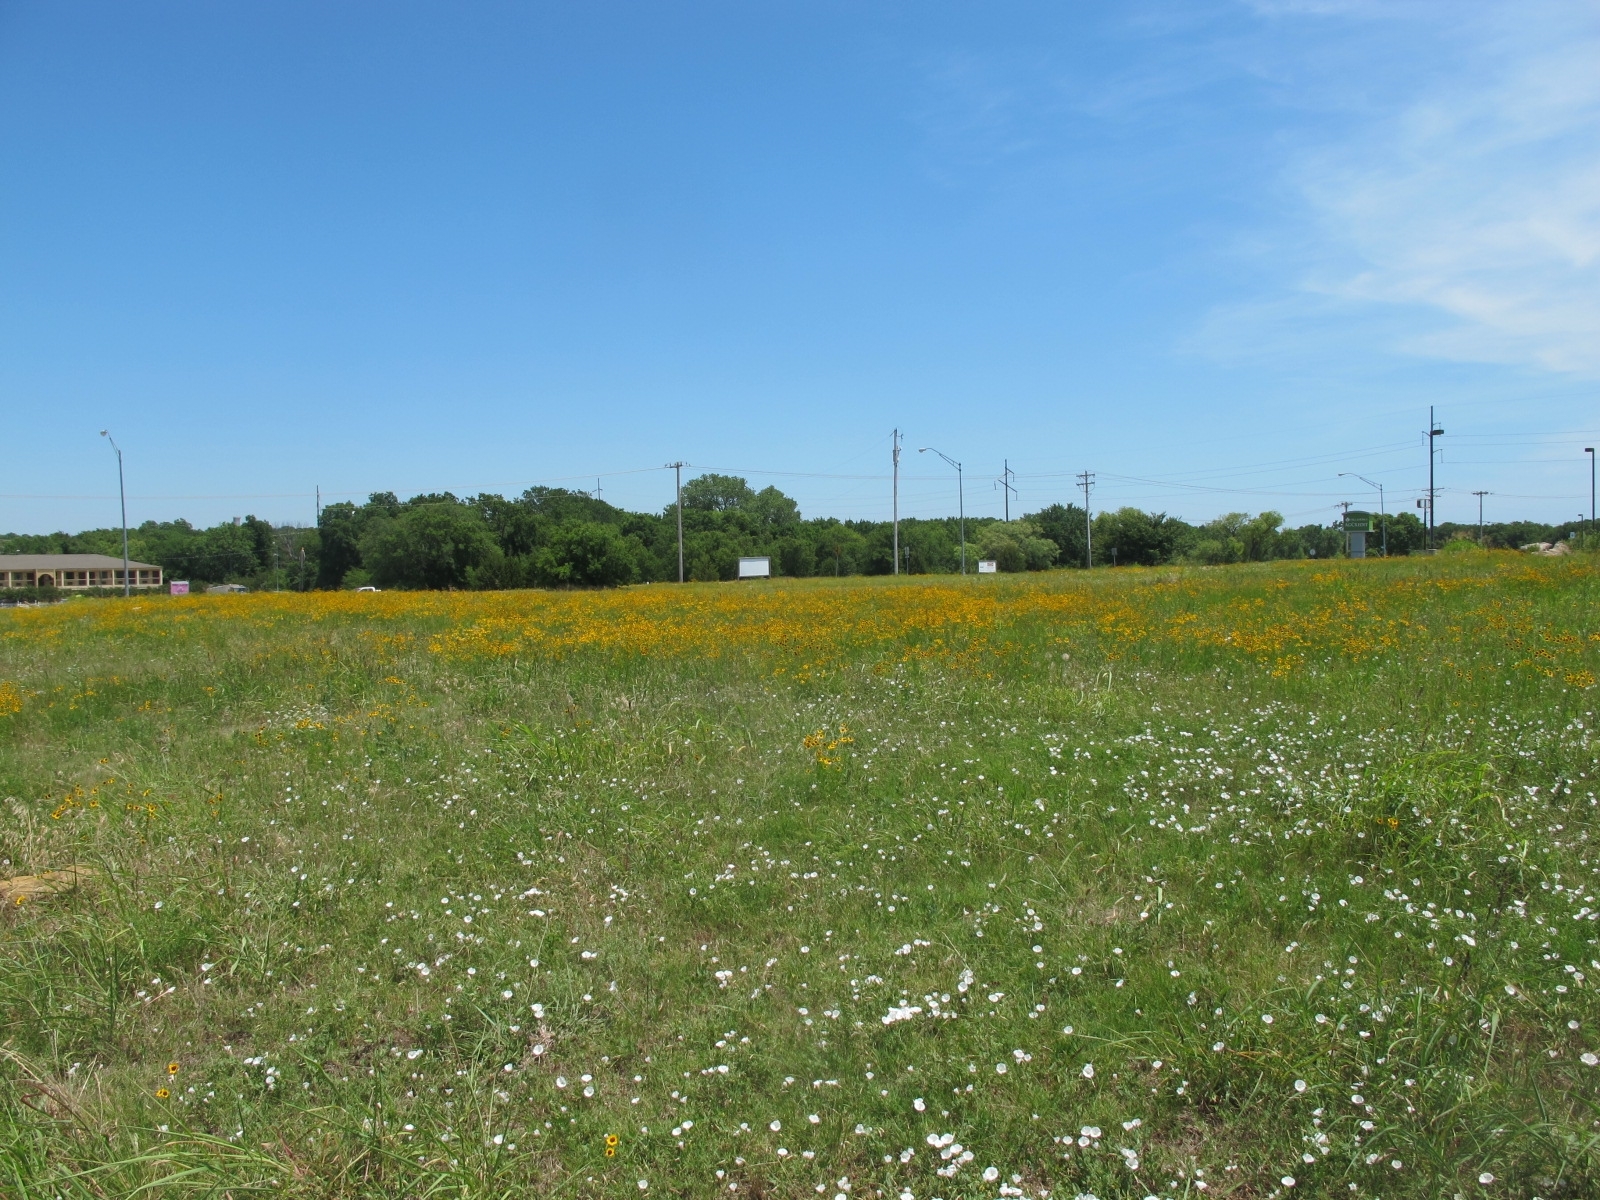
(1238, 537)
(772, 510)
(340, 526)
(928, 548)
(1016, 546)
(1130, 536)
(1260, 536)
(1323, 541)
(515, 524)
(717, 493)
(795, 555)
(587, 554)
(1064, 525)
(430, 546)
(711, 554)
(225, 553)
(841, 550)
(1407, 534)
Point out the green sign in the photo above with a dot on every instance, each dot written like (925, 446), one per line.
(1356, 521)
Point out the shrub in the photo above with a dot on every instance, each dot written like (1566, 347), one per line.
(587, 554)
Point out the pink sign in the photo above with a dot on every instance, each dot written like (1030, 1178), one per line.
(180, 587)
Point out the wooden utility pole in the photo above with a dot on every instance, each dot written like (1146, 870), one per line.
(897, 502)
(1086, 481)
(678, 468)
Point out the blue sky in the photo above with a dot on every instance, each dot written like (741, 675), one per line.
(1215, 252)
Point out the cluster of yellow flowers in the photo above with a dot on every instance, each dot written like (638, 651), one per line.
(1280, 617)
(827, 746)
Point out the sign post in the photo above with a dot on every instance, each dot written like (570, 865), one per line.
(1357, 525)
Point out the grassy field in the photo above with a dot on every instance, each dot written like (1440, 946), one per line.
(1246, 882)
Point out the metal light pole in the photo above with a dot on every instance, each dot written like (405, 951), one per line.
(122, 493)
(961, 500)
(1381, 512)
(678, 467)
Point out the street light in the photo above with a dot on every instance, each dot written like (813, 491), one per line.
(122, 492)
(1381, 513)
(961, 502)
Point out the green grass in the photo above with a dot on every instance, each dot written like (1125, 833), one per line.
(393, 912)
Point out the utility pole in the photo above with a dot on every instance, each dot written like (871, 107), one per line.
(1086, 481)
(895, 438)
(319, 505)
(597, 487)
(122, 492)
(1004, 481)
(1589, 450)
(1480, 496)
(678, 468)
(1346, 505)
(1433, 432)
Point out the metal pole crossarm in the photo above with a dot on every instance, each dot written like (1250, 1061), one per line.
(1005, 484)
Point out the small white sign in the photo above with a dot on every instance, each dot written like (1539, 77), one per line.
(755, 568)
(987, 566)
(180, 587)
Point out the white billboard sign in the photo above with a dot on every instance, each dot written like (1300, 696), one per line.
(987, 566)
(755, 568)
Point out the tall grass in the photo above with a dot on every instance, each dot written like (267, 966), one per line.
(1141, 883)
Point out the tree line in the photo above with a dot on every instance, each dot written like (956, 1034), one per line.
(553, 537)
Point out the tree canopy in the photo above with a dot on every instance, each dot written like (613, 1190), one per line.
(554, 537)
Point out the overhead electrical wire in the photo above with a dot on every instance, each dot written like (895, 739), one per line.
(1204, 481)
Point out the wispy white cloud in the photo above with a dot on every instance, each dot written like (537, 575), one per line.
(1476, 202)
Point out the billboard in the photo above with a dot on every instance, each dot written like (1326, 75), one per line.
(180, 587)
(988, 566)
(755, 568)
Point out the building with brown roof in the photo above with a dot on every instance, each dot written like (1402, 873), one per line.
(74, 572)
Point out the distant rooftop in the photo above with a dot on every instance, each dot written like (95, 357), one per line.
(68, 562)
